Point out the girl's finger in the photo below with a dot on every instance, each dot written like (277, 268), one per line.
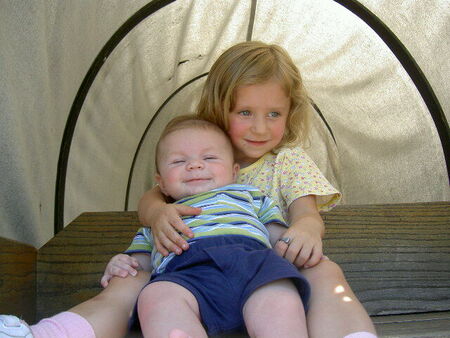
(281, 248)
(315, 258)
(311, 262)
(294, 250)
(303, 255)
(185, 210)
(177, 239)
(169, 242)
(180, 226)
(161, 249)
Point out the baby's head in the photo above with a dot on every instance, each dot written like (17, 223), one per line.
(193, 156)
(250, 63)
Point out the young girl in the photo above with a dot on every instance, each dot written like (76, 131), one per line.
(255, 93)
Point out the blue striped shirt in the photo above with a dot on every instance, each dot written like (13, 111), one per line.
(235, 209)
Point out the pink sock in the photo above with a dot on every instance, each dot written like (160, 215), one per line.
(361, 335)
(63, 325)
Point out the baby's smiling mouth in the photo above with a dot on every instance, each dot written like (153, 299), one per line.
(196, 180)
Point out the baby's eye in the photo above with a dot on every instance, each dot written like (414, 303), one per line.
(274, 114)
(178, 161)
(210, 157)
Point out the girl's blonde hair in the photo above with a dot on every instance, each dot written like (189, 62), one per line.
(249, 63)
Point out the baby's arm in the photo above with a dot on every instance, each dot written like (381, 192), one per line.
(122, 265)
(276, 230)
(144, 260)
(306, 231)
(165, 220)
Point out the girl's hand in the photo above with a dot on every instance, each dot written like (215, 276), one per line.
(305, 233)
(304, 249)
(166, 224)
(120, 265)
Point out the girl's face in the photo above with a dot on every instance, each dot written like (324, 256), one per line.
(258, 120)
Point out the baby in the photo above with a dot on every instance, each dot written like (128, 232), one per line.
(230, 279)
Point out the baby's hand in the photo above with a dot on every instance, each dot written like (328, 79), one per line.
(166, 224)
(120, 265)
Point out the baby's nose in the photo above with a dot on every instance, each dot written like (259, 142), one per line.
(195, 164)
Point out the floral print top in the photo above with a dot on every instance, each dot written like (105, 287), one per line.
(288, 175)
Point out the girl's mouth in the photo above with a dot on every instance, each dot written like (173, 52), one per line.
(256, 143)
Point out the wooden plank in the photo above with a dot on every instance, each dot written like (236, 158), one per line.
(395, 257)
(18, 279)
(433, 324)
(393, 326)
(71, 264)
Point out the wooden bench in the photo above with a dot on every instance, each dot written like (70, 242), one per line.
(395, 257)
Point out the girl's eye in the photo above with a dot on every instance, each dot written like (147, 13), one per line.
(244, 113)
(178, 162)
(274, 114)
(210, 157)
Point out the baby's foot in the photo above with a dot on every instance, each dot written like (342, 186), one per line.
(177, 333)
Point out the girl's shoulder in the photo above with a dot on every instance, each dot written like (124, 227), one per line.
(291, 154)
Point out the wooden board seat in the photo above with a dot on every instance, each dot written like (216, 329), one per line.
(396, 257)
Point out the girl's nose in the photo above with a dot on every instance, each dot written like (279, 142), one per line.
(195, 164)
(259, 125)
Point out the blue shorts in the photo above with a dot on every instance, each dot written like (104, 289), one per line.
(223, 271)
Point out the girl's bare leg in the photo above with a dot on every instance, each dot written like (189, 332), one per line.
(275, 310)
(167, 309)
(109, 311)
(334, 310)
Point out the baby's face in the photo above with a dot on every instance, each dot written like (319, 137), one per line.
(193, 161)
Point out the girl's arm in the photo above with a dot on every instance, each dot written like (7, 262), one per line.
(165, 220)
(306, 231)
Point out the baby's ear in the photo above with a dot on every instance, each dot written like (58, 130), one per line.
(160, 182)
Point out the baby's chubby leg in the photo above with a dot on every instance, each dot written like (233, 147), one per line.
(167, 309)
(275, 310)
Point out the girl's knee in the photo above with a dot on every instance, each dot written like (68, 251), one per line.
(326, 270)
